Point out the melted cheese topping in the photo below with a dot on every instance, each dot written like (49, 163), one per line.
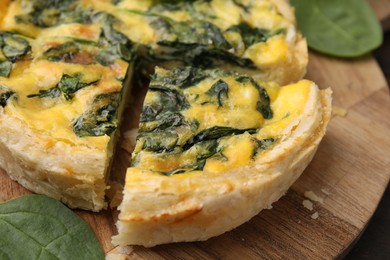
(53, 117)
(238, 111)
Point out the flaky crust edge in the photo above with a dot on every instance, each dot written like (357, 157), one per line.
(158, 209)
(73, 175)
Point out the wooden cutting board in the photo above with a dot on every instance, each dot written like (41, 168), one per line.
(348, 174)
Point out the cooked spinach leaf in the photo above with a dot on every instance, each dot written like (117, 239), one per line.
(116, 44)
(262, 144)
(263, 105)
(100, 119)
(5, 68)
(48, 13)
(68, 85)
(206, 149)
(215, 132)
(189, 32)
(50, 93)
(64, 52)
(185, 77)
(240, 4)
(197, 166)
(203, 150)
(201, 56)
(220, 90)
(346, 28)
(13, 46)
(170, 99)
(38, 227)
(159, 141)
(250, 35)
(5, 94)
(163, 121)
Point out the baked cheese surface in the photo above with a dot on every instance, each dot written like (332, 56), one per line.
(213, 149)
(211, 120)
(62, 81)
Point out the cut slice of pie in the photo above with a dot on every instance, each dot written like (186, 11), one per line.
(213, 149)
(62, 93)
(66, 67)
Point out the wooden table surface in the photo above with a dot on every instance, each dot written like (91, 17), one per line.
(349, 172)
(374, 243)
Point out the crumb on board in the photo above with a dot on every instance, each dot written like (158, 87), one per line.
(315, 215)
(269, 207)
(325, 191)
(339, 111)
(120, 253)
(308, 204)
(312, 196)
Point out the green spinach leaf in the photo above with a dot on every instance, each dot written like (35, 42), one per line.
(213, 133)
(5, 94)
(250, 35)
(48, 13)
(13, 46)
(100, 119)
(347, 28)
(5, 68)
(220, 90)
(264, 102)
(68, 85)
(38, 227)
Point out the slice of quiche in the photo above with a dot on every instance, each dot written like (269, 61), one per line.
(64, 75)
(255, 37)
(213, 149)
(62, 93)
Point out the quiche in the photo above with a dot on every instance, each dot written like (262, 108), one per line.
(213, 149)
(225, 121)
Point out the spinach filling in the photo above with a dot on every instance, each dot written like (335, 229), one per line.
(48, 13)
(165, 132)
(12, 48)
(77, 51)
(114, 43)
(5, 68)
(250, 35)
(101, 118)
(67, 86)
(263, 105)
(5, 94)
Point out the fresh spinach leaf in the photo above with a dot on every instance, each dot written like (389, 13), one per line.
(5, 94)
(220, 90)
(5, 68)
(100, 119)
(347, 28)
(38, 227)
